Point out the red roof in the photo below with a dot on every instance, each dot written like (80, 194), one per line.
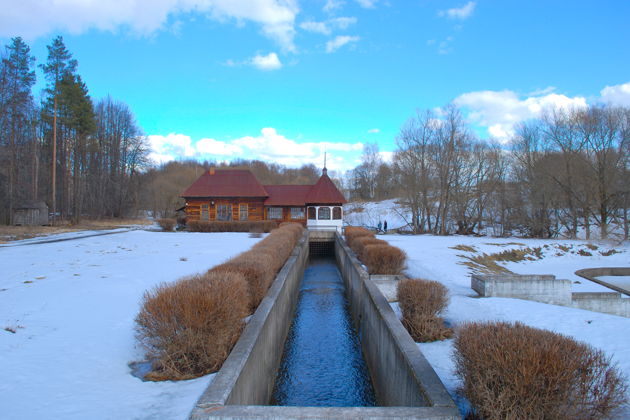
(242, 183)
(287, 195)
(226, 183)
(325, 192)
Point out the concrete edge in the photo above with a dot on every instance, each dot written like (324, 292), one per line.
(218, 392)
(286, 412)
(433, 388)
(592, 274)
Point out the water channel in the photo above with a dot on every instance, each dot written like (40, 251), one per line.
(322, 364)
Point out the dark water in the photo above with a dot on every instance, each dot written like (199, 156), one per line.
(322, 365)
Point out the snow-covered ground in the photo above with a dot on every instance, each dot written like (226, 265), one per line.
(433, 257)
(619, 281)
(67, 314)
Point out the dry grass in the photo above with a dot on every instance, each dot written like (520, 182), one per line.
(512, 371)
(421, 302)
(190, 327)
(384, 259)
(488, 263)
(464, 248)
(167, 225)
(17, 233)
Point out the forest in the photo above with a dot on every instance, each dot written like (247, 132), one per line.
(566, 171)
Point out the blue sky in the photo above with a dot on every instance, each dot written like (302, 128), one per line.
(284, 80)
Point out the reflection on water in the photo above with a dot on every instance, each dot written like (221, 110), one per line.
(322, 363)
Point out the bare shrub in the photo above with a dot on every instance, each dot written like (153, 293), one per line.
(232, 226)
(167, 225)
(518, 372)
(421, 302)
(353, 232)
(383, 259)
(190, 326)
(359, 243)
(256, 270)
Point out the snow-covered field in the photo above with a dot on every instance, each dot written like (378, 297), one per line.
(67, 314)
(432, 257)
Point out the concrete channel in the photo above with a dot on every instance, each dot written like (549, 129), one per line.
(406, 386)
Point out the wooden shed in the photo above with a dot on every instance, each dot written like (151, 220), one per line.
(31, 214)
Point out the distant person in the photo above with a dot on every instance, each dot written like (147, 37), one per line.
(380, 225)
(385, 226)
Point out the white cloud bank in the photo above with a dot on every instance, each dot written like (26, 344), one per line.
(35, 18)
(460, 13)
(500, 111)
(269, 146)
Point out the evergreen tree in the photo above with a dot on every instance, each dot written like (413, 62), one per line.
(16, 106)
(59, 64)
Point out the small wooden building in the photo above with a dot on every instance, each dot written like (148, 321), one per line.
(31, 214)
(236, 194)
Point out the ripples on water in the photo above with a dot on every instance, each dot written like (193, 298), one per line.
(322, 364)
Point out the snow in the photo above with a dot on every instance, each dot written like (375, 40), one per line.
(619, 281)
(72, 306)
(433, 258)
(370, 213)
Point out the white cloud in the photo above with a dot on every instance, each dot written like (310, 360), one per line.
(328, 26)
(333, 5)
(35, 18)
(367, 4)
(617, 94)
(339, 41)
(269, 146)
(374, 131)
(462, 13)
(267, 62)
(500, 111)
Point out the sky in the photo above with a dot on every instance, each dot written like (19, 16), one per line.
(287, 80)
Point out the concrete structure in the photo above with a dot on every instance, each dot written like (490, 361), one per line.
(540, 288)
(594, 274)
(403, 379)
(548, 289)
(387, 284)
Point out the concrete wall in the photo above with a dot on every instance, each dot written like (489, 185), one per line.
(539, 288)
(548, 289)
(593, 274)
(607, 303)
(247, 377)
(400, 374)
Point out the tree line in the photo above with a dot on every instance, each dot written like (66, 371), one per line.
(83, 157)
(564, 172)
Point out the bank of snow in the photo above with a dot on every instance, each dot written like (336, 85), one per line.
(432, 257)
(72, 306)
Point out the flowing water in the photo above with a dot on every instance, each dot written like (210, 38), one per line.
(322, 364)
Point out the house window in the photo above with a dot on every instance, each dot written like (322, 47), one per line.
(297, 212)
(323, 213)
(204, 212)
(274, 213)
(311, 213)
(242, 212)
(336, 213)
(224, 212)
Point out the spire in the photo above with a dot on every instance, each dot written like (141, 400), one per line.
(324, 171)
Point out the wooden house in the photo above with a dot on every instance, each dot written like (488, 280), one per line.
(236, 194)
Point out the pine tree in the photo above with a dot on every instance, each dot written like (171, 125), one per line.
(59, 63)
(16, 107)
